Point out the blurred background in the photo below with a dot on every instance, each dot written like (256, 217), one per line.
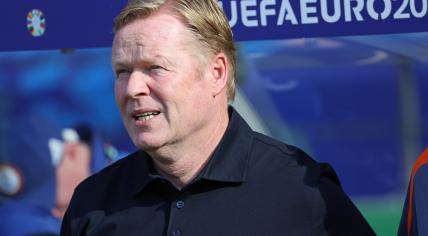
(357, 102)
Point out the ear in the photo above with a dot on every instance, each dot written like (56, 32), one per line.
(219, 74)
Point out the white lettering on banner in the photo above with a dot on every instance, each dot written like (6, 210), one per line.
(234, 12)
(265, 11)
(423, 11)
(261, 13)
(324, 11)
(305, 10)
(372, 12)
(286, 13)
(355, 9)
(400, 14)
(246, 13)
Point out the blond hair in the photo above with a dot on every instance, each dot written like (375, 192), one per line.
(205, 20)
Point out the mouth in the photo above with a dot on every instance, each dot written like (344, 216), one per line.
(145, 116)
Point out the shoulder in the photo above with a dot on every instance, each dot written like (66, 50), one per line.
(288, 156)
(313, 188)
(265, 143)
(288, 167)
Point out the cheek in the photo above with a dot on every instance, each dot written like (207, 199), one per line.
(119, 93)
(201, 91)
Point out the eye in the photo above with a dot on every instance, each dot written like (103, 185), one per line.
(155, 70)
(156, 67)
(122, 74)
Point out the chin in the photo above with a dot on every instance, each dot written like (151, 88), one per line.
(147, 147)
(147, 144)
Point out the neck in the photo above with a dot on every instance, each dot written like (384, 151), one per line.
(182, 162)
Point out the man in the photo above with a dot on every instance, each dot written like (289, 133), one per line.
(39, 169)
(200, 169)
(415, 209)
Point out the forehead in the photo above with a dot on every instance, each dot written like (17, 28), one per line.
(158, 33)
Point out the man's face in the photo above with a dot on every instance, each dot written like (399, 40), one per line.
(162, 91)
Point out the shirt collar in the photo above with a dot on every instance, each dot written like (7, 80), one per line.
(228, 162)
(142, 170)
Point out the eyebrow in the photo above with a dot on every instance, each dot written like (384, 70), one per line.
(121, 62)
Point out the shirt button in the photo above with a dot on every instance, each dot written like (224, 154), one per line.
(180, 204)
(176, 233)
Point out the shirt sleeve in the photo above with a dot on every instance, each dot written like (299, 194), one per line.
(342, 217)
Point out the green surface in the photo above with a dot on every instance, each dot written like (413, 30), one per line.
(382, 214)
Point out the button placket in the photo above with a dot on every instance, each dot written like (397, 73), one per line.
(179, 204)
(176, 232)
(177, 209)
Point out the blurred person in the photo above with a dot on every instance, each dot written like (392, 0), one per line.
(415, 211)
(84, 152)
(200, 169)
(39, 168)
(27, 176)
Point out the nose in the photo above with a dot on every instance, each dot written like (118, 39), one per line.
(137, 84)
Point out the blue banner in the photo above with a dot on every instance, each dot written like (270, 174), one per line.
(49, 24)
(277, 19)
(53, 24)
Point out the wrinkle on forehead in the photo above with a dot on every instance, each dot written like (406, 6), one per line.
(127, 47)
(131, 43)
(136, 53)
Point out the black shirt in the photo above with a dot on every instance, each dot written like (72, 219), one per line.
(252, 185)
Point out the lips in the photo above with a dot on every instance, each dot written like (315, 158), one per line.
(144, 115)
